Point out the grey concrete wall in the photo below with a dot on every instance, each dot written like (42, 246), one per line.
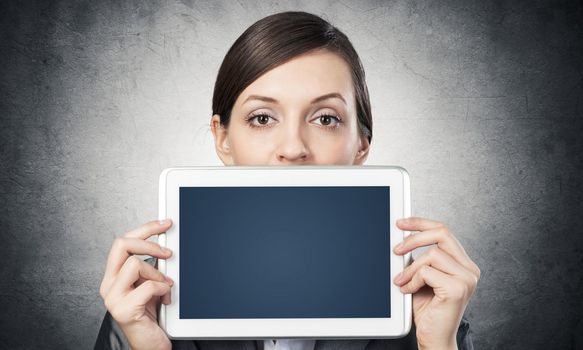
(481, 101)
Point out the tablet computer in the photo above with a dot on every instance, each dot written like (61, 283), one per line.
(263, 252)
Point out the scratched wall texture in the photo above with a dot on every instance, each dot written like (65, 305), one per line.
(480, 101)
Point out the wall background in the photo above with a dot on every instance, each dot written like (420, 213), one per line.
(480, 101)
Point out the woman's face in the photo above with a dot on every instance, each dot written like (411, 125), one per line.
(299, 113)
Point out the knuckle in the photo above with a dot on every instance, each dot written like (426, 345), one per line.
(102, 291)
(460, 291)
(466, 290)
(407, 271)
(109, 305)
(122, 243)
(412, 285)
(478, 273)
(135, 318)
(413, 266)
(119, 315)
(150, 286)
(443, 230)
(472, 284)
(424, 270)
(133, 262)
(432, 253)
(118, 242)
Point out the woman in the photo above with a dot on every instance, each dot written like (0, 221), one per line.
(292, 91)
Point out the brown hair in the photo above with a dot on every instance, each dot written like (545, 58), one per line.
(276, 39)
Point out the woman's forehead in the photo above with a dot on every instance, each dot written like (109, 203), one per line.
(303, 78)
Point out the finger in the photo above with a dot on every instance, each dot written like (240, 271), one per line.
(139, 281)
(445, 287)
(149, 229)
(415, 223)
(130, 272)
(125, 309)
(454, 247)
(146, 291)
(438, 259)
(122, 248)
(442, 238)
(166, 299)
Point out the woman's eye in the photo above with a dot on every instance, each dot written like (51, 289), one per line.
(327, 120)
(261, 120)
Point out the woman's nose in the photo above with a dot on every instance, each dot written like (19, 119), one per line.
(292, 147)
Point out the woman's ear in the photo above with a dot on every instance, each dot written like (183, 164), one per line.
(221, 137)
(362, 152)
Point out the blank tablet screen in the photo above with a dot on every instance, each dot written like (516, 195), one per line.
(284, 252)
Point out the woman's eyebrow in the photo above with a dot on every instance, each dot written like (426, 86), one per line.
(317, 99)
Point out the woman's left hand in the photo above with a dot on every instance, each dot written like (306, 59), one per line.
(443, 279)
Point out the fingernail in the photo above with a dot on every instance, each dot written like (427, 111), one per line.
(169, 280)
(166, 250)
(162, 222)
(402, 221)
(398, 278)
(398, 247)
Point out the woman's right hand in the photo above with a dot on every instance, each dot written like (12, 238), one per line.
(131, 288)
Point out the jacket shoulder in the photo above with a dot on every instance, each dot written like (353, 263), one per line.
(464, 335)
(110, 336)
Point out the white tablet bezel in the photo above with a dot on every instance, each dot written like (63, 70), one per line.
(172, 179)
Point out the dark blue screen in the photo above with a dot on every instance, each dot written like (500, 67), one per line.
(284, 252)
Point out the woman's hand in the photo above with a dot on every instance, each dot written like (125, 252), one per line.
(443, 279)
(131, 288)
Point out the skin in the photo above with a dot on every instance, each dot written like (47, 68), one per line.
(442, 280)
(295, 133)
